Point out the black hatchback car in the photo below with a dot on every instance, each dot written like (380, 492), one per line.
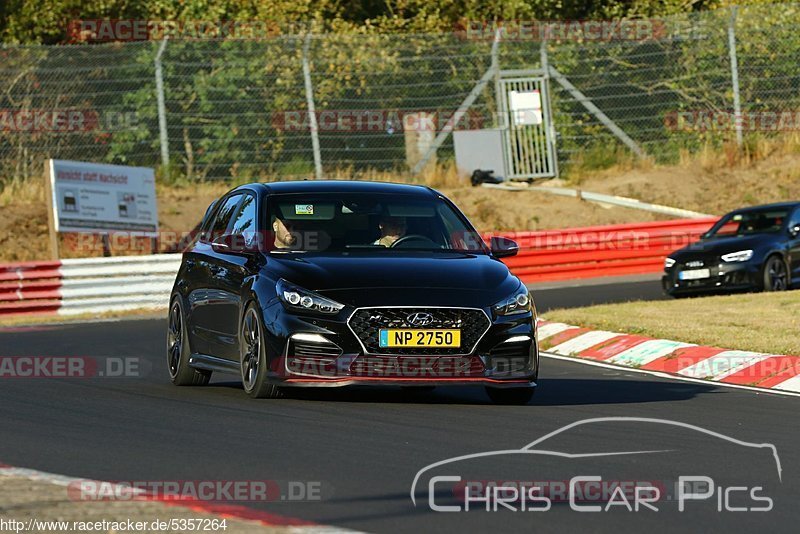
(333, 283)
(755, 248)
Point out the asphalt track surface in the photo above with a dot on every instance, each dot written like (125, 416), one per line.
(365, 446)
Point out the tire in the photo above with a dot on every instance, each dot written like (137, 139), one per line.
(511, 396)
(774, 274)
(178, 351)
(253, 360)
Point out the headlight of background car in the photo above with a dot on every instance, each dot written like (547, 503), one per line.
(519, 302)
(742, 255)
(299, 299)
(669, 262)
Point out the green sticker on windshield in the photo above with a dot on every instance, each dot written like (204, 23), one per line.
(304, 209)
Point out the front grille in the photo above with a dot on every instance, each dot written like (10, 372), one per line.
(699, 262)
(324, 351)
(312, 359)
(366, 322)
(510, 357)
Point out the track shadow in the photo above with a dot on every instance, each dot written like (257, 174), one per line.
(551, 392)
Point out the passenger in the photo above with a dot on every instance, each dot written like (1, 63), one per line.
(285, 234)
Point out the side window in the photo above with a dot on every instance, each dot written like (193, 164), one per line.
(794, 220)
(224, 215)
(244, 224)
(205, 224)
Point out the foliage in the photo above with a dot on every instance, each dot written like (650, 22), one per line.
(43, 21)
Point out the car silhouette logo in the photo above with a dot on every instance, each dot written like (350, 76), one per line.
(419, 319)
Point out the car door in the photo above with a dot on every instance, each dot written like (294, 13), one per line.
(208, 297)
(794, 246)
(233, 264)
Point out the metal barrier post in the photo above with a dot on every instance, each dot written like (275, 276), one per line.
(162, 108)
(312, 112)
(737, 104)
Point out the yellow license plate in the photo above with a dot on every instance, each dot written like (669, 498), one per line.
(419, 338)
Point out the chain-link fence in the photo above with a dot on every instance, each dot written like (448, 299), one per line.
(240, 108)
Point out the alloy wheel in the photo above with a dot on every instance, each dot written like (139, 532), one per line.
(251, 357)
(175, 338)
(777, 275)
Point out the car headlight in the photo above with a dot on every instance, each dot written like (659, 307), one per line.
(742, 255)
(669, 262)
(519, 302)
(298, 299)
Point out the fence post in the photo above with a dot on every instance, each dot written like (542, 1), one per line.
(737, 103)
(162, 108)
(463, 108)
(546, 104)
(597, 112)
(495, 66)
(312, 112)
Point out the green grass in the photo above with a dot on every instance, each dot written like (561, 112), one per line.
(762, 322)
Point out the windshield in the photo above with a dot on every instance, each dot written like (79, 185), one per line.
(749, 223)
(340, 222)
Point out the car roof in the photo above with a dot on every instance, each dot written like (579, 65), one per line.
(341, 186)
(776, 205)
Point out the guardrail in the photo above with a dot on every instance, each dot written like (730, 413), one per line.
(97, 285)
(613, 250)
(92, 285)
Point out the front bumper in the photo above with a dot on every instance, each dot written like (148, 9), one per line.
(315, 351)
(725, 277)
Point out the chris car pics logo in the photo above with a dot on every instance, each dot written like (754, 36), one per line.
(449, 486)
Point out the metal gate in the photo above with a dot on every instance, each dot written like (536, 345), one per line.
(528, 133)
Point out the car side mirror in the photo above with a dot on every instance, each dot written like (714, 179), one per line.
(233, 244)
(794, 231)
(503, 247)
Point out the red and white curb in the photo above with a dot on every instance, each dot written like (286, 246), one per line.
(780, 373)
(223, 510)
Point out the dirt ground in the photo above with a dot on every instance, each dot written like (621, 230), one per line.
(707, 185)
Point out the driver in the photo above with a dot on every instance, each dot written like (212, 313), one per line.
(392, 229)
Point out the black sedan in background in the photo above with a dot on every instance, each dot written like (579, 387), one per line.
(326, 283)
(755, 248)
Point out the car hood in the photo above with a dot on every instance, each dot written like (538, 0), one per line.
(723, 245)
(360, 274)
